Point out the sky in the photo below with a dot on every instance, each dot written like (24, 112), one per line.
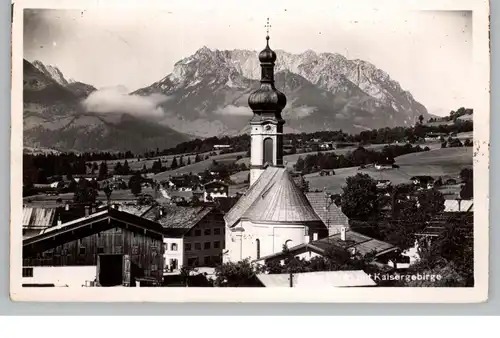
(428, 53)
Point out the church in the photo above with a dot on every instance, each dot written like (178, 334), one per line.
(273, 212)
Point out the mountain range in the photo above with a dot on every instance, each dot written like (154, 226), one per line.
(206, 95)
(55, 118)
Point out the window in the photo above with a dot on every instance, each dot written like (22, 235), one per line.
(268, 150)
(187, 246)
(118, 230)
(217, 245)
(193, 261)
(217, 231)
(173, 247)
(206, 246)
(215, 259)
(206, 260)
(82, 250)
(207, 232)
(197, 246)
(257, 243)
(27, 272)
(154, 267)
(165, 247)
(135, 250)
(173, 264)
(197, 232)
(100, 250)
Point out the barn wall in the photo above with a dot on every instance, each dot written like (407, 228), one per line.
(146, 253)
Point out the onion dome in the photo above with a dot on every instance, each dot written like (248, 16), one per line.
(267, 55)
(267, 100)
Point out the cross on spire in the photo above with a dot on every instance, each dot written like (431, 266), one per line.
(268, 25)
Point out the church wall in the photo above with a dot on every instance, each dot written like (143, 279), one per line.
(272, 237)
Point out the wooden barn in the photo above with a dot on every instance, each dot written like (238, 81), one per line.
(123, 248)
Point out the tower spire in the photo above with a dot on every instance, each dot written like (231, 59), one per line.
(268, 25)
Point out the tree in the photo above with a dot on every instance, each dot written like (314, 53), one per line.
(430, 202)
(108, 190)
(468, 143)
(421, 119)
(188, 161)
(135, 184)
(126, 168)
(103, 171)
(467, 191)
(359, 196)
(466, 175)
(239, 274)
(300, 164)
(118, 168)
(174, 165)
(85, 192)
(197, 158)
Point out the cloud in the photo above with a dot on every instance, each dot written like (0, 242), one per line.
(299, 112)
(114, 100)
(234, 110)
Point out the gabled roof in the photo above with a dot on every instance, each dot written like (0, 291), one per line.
(326, 209)
(178, 217)
(274, 197)
(38, 218)
(363, 245)
(86, 226)
(318, 279)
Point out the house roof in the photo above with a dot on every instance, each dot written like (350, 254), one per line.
(38, 218)
(135, 209)
(363, 244)
(327, 210)
(178, 217)
(83, 227)
(318, 279)
(458, 205)
(274, 197)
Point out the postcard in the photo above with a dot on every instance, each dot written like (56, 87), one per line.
(250, 151)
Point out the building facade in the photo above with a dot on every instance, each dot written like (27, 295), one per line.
(121, 247)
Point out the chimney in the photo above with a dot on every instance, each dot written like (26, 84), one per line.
(342, 233)
(315, 236)
(59, 222)
(66, 207)
(87, 210)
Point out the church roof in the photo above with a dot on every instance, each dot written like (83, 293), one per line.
(274, 197)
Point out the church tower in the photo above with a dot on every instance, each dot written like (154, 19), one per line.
(266, 124)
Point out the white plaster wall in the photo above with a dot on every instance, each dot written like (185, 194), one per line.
(241, 245)
(170, 254)
(214, 195)
(72, 276)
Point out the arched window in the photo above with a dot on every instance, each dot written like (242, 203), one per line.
(257, 242)
(289, 243)
(173, 247)
(268, 150)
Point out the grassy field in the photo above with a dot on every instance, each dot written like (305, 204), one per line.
(200, 166)
(138, 164)
(51, 201)
(437, 162)
(290, 160)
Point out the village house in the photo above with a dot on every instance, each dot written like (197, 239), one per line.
(353, 242)
(215, 189)
(193, 236)
(330, 213)
(425, 182)
(106, 248)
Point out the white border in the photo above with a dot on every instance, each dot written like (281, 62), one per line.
(481, 69)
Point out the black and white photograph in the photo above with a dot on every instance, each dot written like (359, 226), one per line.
(326, 146)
